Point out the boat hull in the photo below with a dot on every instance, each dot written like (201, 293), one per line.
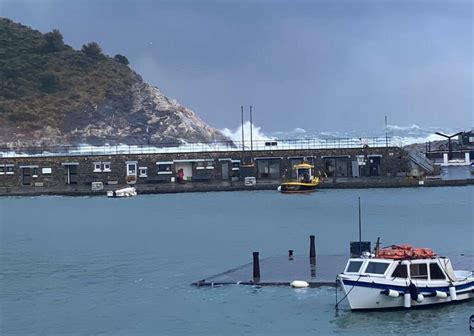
(298, 187)
(367, 294)
(125, 192)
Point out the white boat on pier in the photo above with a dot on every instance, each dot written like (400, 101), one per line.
(125, 192)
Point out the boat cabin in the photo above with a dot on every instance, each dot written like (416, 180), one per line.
(417, 269)
(403, 276)
(304, 172)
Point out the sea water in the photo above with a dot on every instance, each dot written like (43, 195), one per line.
(92, 265)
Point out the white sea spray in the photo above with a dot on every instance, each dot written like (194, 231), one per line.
(298, 138)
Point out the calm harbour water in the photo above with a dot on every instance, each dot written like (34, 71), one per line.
(93, 265)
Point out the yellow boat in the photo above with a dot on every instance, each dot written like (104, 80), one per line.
(305, 180)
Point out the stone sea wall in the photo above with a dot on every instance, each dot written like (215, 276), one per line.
(28, 173)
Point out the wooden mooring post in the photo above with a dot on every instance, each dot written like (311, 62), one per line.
(312, 250)
(256, 267)
(312, 256)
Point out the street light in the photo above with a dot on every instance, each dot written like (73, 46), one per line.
(449, 137)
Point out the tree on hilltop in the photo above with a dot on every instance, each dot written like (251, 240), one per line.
(121, 59)
(92, 49)
(53, 41)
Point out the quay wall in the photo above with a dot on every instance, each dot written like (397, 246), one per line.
(33, 174)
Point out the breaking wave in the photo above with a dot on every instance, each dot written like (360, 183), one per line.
(403, 128)
(399, 136)
(236, 135)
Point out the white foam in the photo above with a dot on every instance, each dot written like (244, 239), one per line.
(403, 141)
(236, 135)
(297, 138)
(299, 130)
(404, 128)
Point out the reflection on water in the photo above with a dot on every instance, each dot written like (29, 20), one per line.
(431, 320)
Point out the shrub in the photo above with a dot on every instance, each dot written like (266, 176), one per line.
(121, 59)
(49, 83)
(24, 116)
(9, 71)
(53, 41)
(11, 92)
(92, 49)
(78, 60)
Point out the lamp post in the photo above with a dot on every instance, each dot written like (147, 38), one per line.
(449, 137)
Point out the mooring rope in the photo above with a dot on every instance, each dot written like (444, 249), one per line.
(338, 302)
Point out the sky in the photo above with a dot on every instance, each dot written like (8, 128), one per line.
(336, 65)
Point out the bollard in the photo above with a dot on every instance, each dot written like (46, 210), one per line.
(256, 267)
(312, 250)
(290, 254)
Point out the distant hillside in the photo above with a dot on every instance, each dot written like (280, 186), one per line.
(52, 94)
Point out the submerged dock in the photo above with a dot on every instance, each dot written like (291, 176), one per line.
(316, 270)
(281, 271)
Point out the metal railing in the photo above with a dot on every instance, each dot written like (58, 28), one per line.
(223, 146)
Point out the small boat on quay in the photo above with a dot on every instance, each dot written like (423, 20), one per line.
(125, 192)
(403, 277)
(305, 180)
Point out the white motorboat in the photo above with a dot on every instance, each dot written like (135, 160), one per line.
(125, 192)
(403, 276)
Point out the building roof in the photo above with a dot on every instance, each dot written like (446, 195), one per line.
(303, 166)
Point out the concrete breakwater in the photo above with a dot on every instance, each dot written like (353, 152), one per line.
(206, 171)
(85, 190)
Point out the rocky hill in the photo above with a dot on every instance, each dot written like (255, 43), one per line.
(51, 94)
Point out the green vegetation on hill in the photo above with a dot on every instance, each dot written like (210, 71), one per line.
(43, 80)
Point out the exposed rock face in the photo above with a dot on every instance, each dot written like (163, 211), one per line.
(145, 116)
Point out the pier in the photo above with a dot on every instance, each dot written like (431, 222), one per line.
(346, 163)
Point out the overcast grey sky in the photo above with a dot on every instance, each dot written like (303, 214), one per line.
(319, 65)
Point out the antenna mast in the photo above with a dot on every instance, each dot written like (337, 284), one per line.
(243, 145)
(360, 230)
(251, 135)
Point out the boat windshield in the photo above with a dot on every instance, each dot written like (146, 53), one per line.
(374, 267)
(304, 174)
(354, 266)
(401, 271)
(436, 273)
(419, 271)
